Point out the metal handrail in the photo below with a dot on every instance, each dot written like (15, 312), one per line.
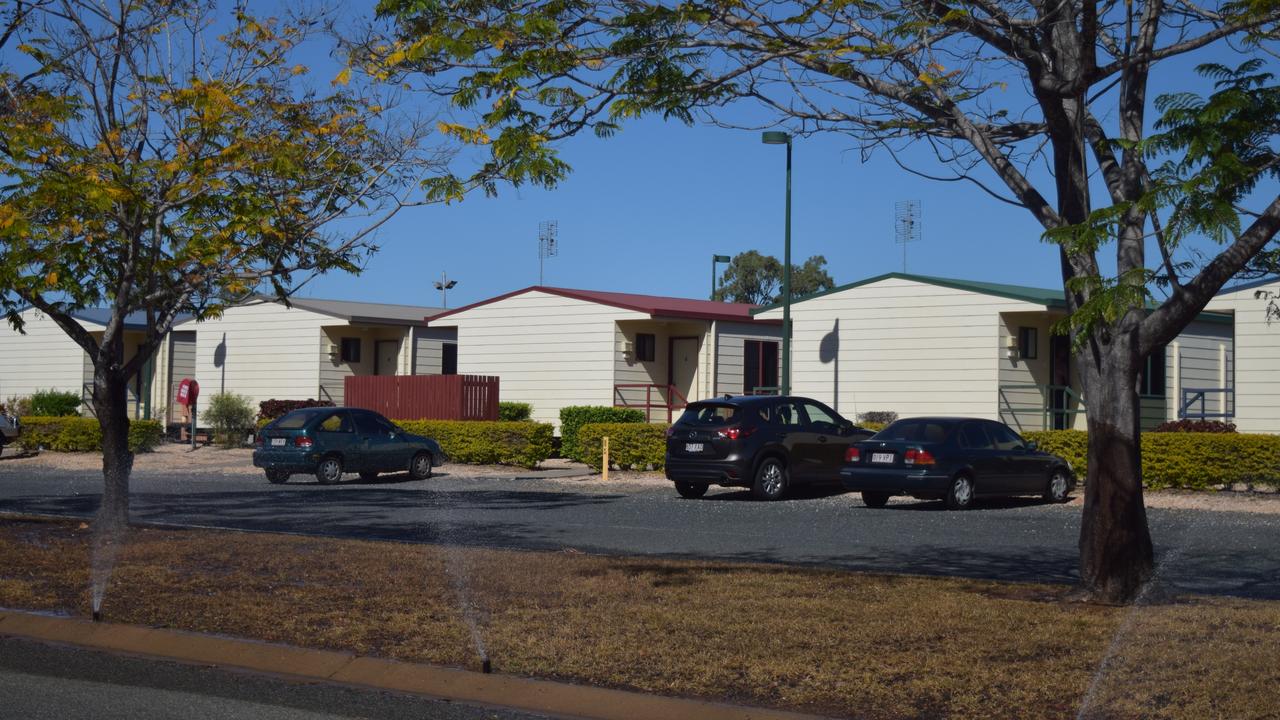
(1045, 409)
(669, 405)
(1191, 396)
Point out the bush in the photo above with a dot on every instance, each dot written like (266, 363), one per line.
(1204, 426)
(18, 406)
(514, 411)
(272, 409)
(572, 419)
(1184, 460)
(879, 418)
(631, 445)
(872, 426)
(230, 416)
(54, 403)
(77, 434)
(487, 442)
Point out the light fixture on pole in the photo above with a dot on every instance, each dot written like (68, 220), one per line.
(716, 259)
(444, 285)
(777, 137)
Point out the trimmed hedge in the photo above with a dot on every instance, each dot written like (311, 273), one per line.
(572, 419)
(1193, 461)
(631, 445)
(77, 434)
(487, 442)
(514, 411)
(1204, 426)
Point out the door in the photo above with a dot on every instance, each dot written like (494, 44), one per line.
(988, 466)
(1019, 465)
(829, 442)
(386, 357)
(379, 451)
(684, 369)
(1059, 377)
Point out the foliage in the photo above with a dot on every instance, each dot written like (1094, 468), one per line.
(573, 417)
(514, 411)
(873, 426)
(1197, 426)
(487, 442)
(54, 403)
(631, 445)
(877, 417)
(80, 434)
(269, 410)
(757, 279)
(18, 405)
(1184, 460)
(231, 417)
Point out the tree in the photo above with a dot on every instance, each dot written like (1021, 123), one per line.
(156, 168)
(993, 87)
(757, 279)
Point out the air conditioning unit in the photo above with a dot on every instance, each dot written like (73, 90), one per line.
(626, 347)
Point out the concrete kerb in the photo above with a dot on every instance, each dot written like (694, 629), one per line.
(542, 696)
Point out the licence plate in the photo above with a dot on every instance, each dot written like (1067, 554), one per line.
(277, 442)
(881, 457)
(693, 447)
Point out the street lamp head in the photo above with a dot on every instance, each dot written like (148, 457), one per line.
(451, 284)
(721, 258)
(775, 137)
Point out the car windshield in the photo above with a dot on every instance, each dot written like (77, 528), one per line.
(709, 414)
(297, 419)
(929, 431)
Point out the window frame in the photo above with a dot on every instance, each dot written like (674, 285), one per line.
(1028, 340)
(345, 344)
(646, 347)
(762, 373)
(1145, 384)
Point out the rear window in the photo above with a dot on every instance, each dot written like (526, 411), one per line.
(702, 414)
(916, 431)
(296, 420)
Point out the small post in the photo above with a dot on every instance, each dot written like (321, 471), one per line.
(604, 454)
(193, 426)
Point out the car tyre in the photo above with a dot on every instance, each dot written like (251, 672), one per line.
(960, 494)
(771, 480)
(277, 477)
(1059, 486)
(874, 499)
(420, 466)
(329, 471)
(368, 476)
(690, 490)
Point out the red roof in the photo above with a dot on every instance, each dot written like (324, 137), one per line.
(652, 305)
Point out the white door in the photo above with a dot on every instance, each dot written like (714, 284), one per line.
(684, 367)
(388, 357)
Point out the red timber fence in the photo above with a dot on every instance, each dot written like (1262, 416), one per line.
(425, 397)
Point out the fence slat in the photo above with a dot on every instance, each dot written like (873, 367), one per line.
(425, 397)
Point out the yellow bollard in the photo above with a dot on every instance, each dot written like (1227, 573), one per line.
(604, 454)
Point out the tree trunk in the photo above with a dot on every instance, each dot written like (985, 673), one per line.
(1116, 557)
(111, 403)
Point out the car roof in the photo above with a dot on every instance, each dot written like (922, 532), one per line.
(750, 399)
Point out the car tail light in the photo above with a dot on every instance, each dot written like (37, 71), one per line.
(852, 455)
(916, 456)
(302, 441)
(257, 439)
(735, 433)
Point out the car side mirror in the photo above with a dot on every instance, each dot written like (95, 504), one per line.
(1032, 445)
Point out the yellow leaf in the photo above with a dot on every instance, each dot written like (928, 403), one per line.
(299, 69)
(51, 278)
(343, 77)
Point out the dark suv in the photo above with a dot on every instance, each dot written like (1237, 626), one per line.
(766, 443)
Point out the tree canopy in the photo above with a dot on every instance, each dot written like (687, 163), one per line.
(757, 279)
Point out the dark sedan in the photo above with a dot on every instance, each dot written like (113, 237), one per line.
(766, 443)
(955, 460)
(331, 441)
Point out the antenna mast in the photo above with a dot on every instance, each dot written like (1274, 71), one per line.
(906, 225)
(547, 246)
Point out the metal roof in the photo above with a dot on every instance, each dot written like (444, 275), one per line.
(132, 321)
(1250, 285)
(652, 305)
(1039, 296)
(365, 311)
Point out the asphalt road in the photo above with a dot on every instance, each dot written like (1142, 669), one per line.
(1019, 540)
(40, 681)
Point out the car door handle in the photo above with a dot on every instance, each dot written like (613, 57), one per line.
(822, 438)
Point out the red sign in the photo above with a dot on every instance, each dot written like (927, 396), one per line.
(188, 391)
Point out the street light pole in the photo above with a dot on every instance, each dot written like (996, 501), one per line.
(444, 285)
(775, 137)
(716, 259)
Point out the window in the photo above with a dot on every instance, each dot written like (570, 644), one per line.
(1028, 341)
(449, 359)
(698, 414)
(646, 347)
(916, 431)
(760, 365)
(350, 350)
(336, 423)
(973, 437)
(786, 413)
(372, 426)
(821, 419)
(1151, 377)
(1003, 437)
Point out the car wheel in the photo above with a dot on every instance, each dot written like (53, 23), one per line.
(875, 499)
(771, 480)
(277, 477)
(420, 468)
(368, 476)
(690, 490)
(960, 494)
(329, 471)
(1059, 486)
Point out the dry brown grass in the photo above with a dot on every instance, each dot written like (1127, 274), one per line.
(844, 643)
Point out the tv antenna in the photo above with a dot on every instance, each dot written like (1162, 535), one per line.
(906, 225)
(547, 247)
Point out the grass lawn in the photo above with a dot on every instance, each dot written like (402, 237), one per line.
(844, 643)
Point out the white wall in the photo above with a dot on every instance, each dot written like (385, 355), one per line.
(549, 351)
(427, 355)
(1257, 357)
(44, 358)
(900, 345)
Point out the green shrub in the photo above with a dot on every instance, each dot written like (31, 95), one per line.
(514, 411)
(487, 442)
(231, 417)
(18, 405)
(872, 426)
(572, 419)
(1193, 461)
(631, 445)
(877, 417)
(272, 409)
(54, 403)
(1188, 425)
(77, 434)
